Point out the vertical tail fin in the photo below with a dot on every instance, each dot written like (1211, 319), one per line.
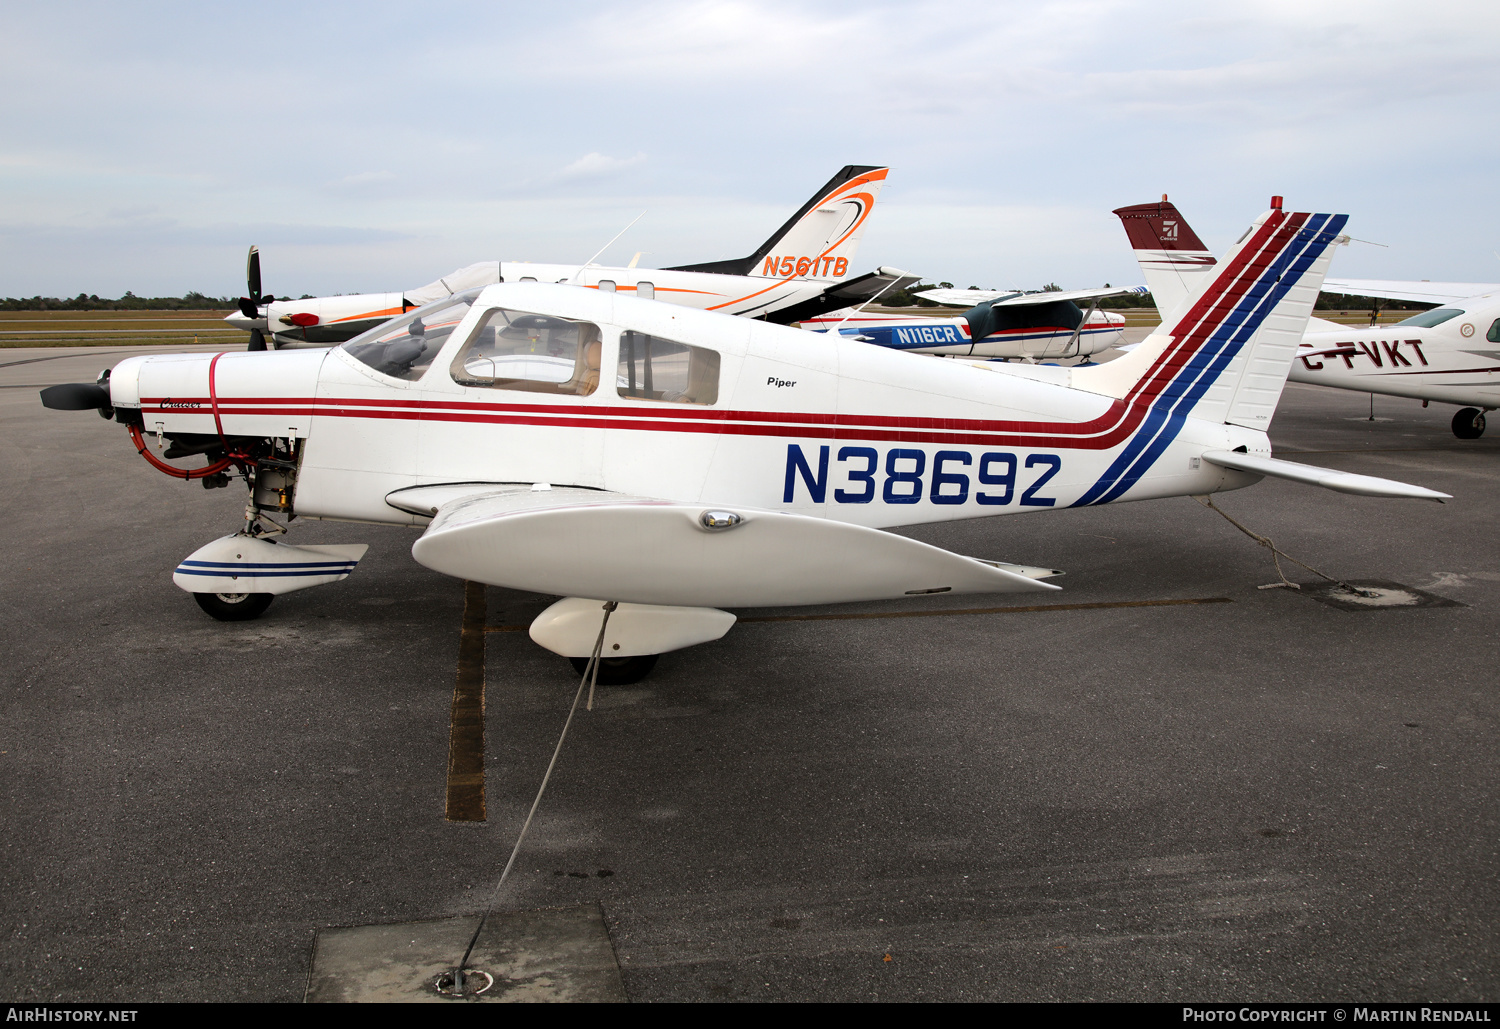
(1172, 257)
(1224, 353)
(1223, 356)
(819, 241)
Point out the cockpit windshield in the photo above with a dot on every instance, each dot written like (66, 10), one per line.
(1427, 319)
(405, 346)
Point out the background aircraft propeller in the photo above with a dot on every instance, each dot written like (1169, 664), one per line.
(250, 305)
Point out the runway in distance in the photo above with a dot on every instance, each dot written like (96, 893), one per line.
(1001, 325)
(1450, 355)
(615, 451)
(802, 270)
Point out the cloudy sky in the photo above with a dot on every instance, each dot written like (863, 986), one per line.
(375, 146)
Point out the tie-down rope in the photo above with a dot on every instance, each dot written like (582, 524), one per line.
(1277, 555)
(590, 678)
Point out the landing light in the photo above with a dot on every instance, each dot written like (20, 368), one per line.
(714, 520)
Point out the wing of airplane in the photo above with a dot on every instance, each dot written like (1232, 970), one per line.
(851, 293)
(572, 542)
(1010, 298)
(1420, 292)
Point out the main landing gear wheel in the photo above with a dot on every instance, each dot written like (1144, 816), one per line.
(1468, 423)
(236, 607)
(618, 671)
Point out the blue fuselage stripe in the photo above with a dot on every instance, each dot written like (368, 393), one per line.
(283, 564)
(226, 574)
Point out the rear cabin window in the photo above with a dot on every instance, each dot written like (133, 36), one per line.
(652, 368)
(531, 352)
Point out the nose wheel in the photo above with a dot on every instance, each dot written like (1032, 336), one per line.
(241, 607)
(1468, 423)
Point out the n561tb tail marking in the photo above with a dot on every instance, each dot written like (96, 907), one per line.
(604, 448)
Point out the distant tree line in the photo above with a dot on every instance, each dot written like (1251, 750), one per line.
(129, 302)
(1126, 300)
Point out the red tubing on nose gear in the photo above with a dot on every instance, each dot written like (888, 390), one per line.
(139, 439)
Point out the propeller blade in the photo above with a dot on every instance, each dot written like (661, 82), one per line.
(252, 274)
(257, 340)
(248, 307)
(76, 396)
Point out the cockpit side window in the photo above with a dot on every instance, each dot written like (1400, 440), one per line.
(1427, 319)
(1494, 334)
(405, 346)
(531, 352)
(652, 368)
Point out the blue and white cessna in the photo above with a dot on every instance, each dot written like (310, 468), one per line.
(998, 326)
(604, 448)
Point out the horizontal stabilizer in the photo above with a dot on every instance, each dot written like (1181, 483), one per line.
(588, 543)
(1343, 482)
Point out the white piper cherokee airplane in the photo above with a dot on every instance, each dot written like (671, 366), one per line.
(673, 462)
(1451, 354)
(1000, 325)
(798, 273)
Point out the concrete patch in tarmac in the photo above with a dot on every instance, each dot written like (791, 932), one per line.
(551, 954)
(1378, 595)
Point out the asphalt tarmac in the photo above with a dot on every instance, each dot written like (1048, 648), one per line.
(1265, 799)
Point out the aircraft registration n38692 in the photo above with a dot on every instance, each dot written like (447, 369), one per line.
(676, 462)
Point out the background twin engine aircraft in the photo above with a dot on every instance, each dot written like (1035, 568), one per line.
(1450, 354)
(601, 448)
(800, 272)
